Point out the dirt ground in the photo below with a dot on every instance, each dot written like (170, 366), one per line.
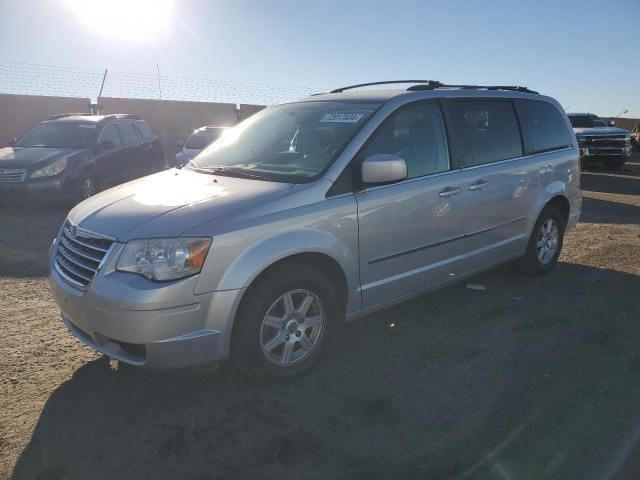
(531, 378)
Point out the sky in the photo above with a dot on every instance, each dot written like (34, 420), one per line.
(584, 53)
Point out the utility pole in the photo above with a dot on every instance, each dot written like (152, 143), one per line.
(164, 133)
(622, 112)
(96, 107)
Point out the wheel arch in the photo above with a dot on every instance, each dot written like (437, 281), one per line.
(554, 194)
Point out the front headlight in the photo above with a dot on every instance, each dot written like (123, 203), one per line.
(164, 258)
(52, 169)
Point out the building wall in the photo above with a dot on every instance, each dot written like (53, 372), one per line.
(175, 120)
(20, 113)
(170, 120)
(626, 123)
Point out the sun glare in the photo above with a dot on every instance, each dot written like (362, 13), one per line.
(141, 20)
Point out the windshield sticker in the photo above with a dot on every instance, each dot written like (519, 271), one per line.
(343, 117)
(84, 125)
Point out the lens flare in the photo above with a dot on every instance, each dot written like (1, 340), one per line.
(139, 20)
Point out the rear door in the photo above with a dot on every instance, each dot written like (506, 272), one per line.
(109, 163)
(500, 185)
(409, 231)
(152, 157)
(134, 165)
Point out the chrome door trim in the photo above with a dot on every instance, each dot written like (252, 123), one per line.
(509, 160)
(443, 242)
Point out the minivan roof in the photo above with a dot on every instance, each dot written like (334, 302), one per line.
(387, 94)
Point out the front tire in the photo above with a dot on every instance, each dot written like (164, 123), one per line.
(545, 243)
(87, 188)
(285, 323)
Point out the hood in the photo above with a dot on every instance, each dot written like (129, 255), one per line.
(169, 203)
(601, 131)
(28, 157)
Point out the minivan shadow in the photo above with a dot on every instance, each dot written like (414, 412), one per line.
(528, 378)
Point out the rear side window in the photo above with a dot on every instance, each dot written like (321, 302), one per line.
(483, 131)
(143, 129)
(127, 132)
(416, 133)
(543, 126)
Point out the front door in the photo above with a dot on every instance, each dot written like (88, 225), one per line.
(410, 231)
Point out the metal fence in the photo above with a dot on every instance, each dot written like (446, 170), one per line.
(54, 80)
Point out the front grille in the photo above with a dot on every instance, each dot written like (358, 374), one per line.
(610, 141)
(12, 175)
(79, 254)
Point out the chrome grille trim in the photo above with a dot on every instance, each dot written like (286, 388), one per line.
(80, 255)
(12, 175)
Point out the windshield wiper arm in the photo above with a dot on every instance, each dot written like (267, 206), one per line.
(231, 172)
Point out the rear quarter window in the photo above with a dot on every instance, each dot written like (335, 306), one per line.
(543, 126)
(143, 129)
(483, 131)
(127, 132)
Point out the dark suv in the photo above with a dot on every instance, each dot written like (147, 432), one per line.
(72, 156)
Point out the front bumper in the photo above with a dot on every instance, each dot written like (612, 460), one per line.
(605, 152)
(123, 316)
(42, 189)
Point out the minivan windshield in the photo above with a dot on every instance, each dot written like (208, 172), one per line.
(59, 135)
(586, 121)
(290, 143)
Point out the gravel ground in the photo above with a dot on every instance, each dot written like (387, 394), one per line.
(531, 378)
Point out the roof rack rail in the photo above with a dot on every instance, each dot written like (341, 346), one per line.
(132, 116)
(425, 82)
(62, 115)
(513, 88)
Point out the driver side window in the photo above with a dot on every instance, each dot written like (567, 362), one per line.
(415, 133)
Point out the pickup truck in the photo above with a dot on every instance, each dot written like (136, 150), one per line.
(599, 141)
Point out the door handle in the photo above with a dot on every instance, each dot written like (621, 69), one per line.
(450, 192)
(546, 169)
(479, 185)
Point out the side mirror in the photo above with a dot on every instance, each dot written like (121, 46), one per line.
(106, 145)
(180, 144)
(611, 123)
(12, 142)
(383, 168)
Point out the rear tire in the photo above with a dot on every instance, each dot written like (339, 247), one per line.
(284, 323)
(545, 243)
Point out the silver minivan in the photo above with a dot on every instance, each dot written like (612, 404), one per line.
(312, 213)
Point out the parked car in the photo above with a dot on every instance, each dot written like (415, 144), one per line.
(635, 137)
(197, 141)
(73, 156)
(599, 141)
(312, 213)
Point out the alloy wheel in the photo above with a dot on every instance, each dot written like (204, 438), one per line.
(547, 243)
(292, 327)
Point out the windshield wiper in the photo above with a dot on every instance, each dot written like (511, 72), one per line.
(229, 171)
